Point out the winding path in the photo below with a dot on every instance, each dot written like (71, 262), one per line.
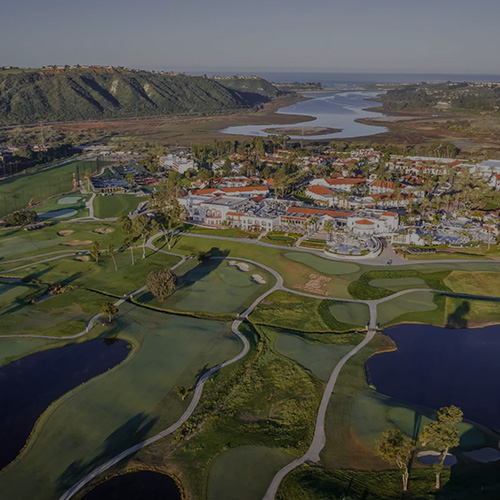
(319, 437)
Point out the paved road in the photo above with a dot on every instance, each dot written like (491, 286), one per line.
(381, 260)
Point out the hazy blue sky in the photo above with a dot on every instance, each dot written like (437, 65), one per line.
(460, 36)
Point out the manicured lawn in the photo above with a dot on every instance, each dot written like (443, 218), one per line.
(116, 205)
(100, 275)
(16, 192)
(323, 265)
(477, 283)
(57, 204)
(320, 359)
(286, 310)
(121, 407)
(380, 284)
(62, 314)
(213, 288)
(17, 243)
(412, 305)
(246, 470)
(266, 401)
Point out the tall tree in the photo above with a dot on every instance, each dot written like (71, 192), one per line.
(142, 227)
(396, 449)
(108, 310)
(111, 252)
(161, 283)
(443, 435)
(95, 251)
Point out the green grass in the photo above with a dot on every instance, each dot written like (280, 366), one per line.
(323, 265)
(121, 407)
(365, 288)
(412, 306)
(320, 359)
(17, 243)
(213, 288)
(16, 192)
(477, 283)
(236, 470)
(62, 314)
(53, 204)
(100, 276)
(116, 205)
(286, 310)
(311, 482)
(266, 401)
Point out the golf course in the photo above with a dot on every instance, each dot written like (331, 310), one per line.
(225, 381)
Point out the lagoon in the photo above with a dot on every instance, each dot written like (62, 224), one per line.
(435, 367)
(336, 110)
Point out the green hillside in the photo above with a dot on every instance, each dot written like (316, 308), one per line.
(33, 96)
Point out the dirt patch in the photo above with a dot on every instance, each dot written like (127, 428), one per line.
(66, 232)
(316, 284)
(77, 243)
(103, 230)
(83, 258)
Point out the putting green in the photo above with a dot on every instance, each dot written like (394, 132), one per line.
(389, 311)
(213, 288)
(351, 313)
(320, 359)
(322, 265)
(115, 410)
(244, 472)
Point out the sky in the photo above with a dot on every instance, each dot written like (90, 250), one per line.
(401, 36)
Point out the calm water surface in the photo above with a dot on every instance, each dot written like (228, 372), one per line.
(143, 485)
(30, 384)
(333, 110)
(437, 367)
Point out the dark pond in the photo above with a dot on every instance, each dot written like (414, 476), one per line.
(30, 384)
(437, 367)
(143, 485)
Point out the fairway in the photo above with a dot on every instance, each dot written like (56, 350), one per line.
(247, 470)
(121, 407)
(288, 310)
(320, 359)
(116, 205)
(478, 283)
(213, 288)
(63, 314)
(16, 192)
(396, 309)
(322, 265)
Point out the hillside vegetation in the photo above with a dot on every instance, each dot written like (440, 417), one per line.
(33, 96)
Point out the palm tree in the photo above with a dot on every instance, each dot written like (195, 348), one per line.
(111, 251)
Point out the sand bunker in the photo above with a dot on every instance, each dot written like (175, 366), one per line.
(77, 243)
(103, 230)
(315, 284)
(484, 455)
(241, 266)
(257, 278)
(83, 258)
(69, 200)
(433, 457)
(66, 232)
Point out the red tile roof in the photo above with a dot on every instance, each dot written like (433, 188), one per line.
(320, 190)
